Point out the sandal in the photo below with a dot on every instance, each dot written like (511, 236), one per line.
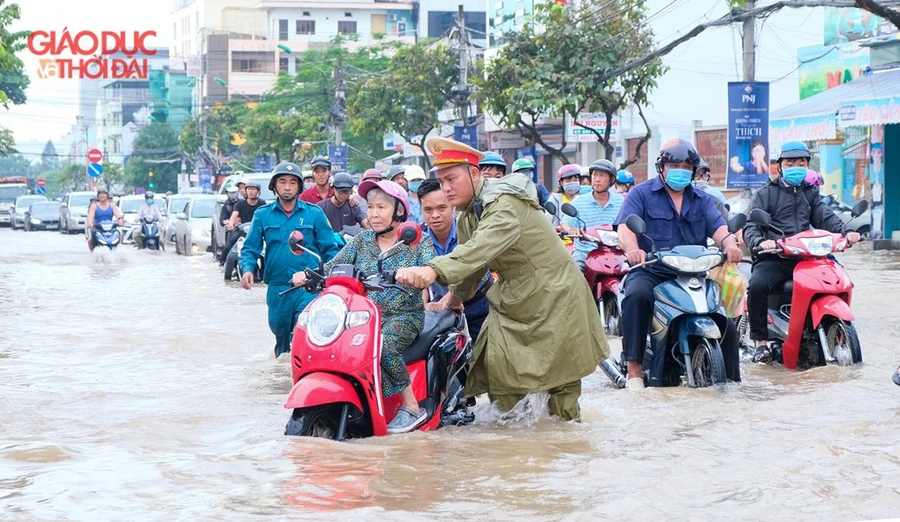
(406, 420)
(763, 355)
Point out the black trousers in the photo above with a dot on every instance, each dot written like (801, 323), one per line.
(769, 274)
(637, 311)
(231, 238)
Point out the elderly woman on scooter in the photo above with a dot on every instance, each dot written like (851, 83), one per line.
(402, 314)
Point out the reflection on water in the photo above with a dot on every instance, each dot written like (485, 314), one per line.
(146, 386)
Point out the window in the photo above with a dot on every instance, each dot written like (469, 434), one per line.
(348, 14)
(305, 13)
(283, 64)
(346, 27)
(282, 30)
(306, 27)
(175, 30)
(439, 22)
(246, 65)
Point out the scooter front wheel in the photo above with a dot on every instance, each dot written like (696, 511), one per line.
(317, 421)
(707, 362)
(611, 316)
(842, 342)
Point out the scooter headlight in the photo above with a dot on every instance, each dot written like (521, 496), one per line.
(325, 321)
(693, 265)
(610, 239)
(818, 246)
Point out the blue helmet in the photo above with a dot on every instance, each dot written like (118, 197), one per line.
(624, 177)
(492, 158)
(794, 149)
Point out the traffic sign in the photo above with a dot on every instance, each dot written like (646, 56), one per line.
(94, 155)
(95, 169)
(337, 154)
(41, 190)
(41, 182)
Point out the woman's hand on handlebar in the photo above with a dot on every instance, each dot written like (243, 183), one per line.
(299, 279)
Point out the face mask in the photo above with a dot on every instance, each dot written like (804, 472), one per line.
(414, 186)
(677, 179)
(794, 175)
(149, 201)
(701, 184)
(571, 187)
(585, 189)
(308, 185)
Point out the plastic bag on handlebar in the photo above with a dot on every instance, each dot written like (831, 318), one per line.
(733, 286)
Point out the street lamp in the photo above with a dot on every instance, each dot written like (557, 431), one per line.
(223, 83)
(285, 48)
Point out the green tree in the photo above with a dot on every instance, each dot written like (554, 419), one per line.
(49, 158)
(17, 165)
(156, 150)
(406, 99)
(13, 80)
(543, 70)
(69, 176)
(112, 175)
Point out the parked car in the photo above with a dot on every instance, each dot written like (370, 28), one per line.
(73, 211)
(20, 207)
(861, 224)
(193, 226)
(42, 215)
(175, 204)
(8, 194)
(218, 229)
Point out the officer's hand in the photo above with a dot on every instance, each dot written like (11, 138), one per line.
(417, 277)
(853, 238)
(435, 307)
(768, 245)
(636, 257)
(299, 278)
(734, 254)
(247, 280)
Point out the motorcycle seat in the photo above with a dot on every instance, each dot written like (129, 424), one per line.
(436, 323)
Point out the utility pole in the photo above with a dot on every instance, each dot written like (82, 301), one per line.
(461, 90)
(337, 110)
(749, 41)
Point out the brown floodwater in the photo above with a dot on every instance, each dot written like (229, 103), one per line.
(143, 387)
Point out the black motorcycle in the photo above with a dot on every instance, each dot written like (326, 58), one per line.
(150, 233)
(232, 265)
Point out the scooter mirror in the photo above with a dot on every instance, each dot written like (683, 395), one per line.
(859, 208)
(636, 225)
(737, 222)
(828, 200)
(760, 217)
(409, 233)
(550, 207)
(569, 210)
(295, 241)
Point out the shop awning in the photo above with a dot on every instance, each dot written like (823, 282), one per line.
(869, 100)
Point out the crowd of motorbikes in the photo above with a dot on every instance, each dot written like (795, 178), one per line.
(110, 235)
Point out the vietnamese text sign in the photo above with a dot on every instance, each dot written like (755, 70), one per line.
(501, 140)
(748, 135)
(883, 111)
(337, 154)
(809, 128)
(576, 131)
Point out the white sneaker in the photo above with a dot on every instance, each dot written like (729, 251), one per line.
(635, 383)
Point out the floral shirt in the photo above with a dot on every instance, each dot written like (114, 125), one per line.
(362, 252)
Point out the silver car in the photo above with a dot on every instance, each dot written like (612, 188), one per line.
(861, 224)
(17, 214)
(193, 226)
(73, 212)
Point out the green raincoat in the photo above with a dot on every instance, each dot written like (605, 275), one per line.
(543, 330)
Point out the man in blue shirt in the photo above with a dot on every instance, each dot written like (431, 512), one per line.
(600, 207)
(440, 226)
(675, 214)
(273, 224)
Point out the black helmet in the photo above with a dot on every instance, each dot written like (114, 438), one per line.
(677, 150)
(253, 184)
(320, 161)
(702, 165)
(603, 165)
(285, 168)
(342, 181)
(395, 171)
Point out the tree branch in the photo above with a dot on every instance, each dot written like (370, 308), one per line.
(738, 15)
(644, 139)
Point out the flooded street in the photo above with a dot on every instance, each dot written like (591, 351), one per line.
(145, 387)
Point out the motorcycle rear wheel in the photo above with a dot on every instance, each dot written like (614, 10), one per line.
(842, 342)
(231, 268)
(707, 362)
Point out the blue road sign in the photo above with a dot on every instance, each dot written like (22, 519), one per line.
(41, 191)
(95, 169)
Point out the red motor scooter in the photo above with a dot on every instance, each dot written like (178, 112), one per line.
(810, 322)
(336, 355)
(604, 269)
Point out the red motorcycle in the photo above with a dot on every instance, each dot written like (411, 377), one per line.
(810, 321)
(604, 269)
(336, 356)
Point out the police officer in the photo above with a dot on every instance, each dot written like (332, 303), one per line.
(273, 224)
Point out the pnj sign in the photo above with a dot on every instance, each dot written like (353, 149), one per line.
(88, 54)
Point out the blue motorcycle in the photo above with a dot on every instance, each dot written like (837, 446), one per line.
(688, 318)
(150, 233)
(106, 235)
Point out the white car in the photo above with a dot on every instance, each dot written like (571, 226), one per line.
(193, 226)
(17, 213)
(73, 212)
(175, 204)
(129, 206)
(218, 229)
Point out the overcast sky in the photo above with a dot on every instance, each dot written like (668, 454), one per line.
(694, 88)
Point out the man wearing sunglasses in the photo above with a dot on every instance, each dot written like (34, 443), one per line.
(337, 208)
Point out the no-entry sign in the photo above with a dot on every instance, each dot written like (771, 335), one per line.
(94, 155)
(41, 182)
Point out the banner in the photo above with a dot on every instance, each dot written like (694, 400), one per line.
(467, 135)
(825, 67)
(808, 128)
(748, 135)
(883, 111)
(204, 179)
(849, 24)
(576, 133)
(337, 154)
